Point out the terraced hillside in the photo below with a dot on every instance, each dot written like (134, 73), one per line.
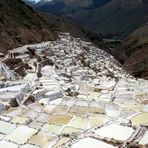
(73, 95)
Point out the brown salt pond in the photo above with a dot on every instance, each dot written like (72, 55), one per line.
(79, 122)
(69, 130)
(61, 142)
(141, 118)
(98, 121)
(42, 139)
(60, 119)
(51, 128)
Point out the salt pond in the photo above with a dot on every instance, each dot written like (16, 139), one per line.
(141, 118)
(91, 143)
(115, 131)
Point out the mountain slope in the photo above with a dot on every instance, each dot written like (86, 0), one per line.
(19, 24)
(59, 24)
(116, 17)
(26, 26)
(133, 52)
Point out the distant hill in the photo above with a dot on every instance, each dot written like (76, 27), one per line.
(133, 52)
(105, 16)
(20, 25)
(116, 17)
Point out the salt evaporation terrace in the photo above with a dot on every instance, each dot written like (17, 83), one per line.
(70, 94)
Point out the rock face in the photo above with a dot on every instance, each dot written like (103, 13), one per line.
(82, 98)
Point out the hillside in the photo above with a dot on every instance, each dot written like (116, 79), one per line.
(61, 25)
(20, 25)
(133, 52)
(26, 26)
(118, 17)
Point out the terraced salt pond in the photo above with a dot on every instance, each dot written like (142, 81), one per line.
(70, 130)
(98, 106)
(61, 142)
(9, 145)
(141, 118)
(144, 139)
(115, 131)
(98, 121)
(90, 142)
(51, 128)
(42, 139)
(60, 119)
(132, 106)
(7, 127)
(79, 122)
(20, 134)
